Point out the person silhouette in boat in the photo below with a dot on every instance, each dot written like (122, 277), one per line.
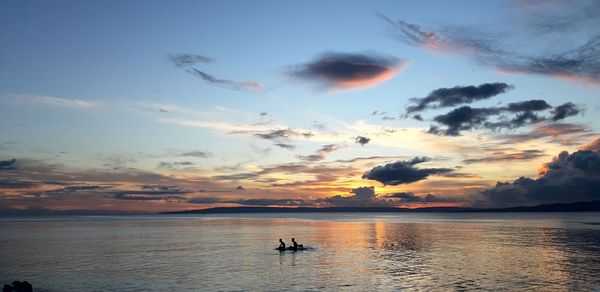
(296, 246)
(281, 245)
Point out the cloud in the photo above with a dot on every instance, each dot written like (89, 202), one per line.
(187, 61)
(579, 62)
(566, 110)
(409, 197)
(348, 71)
(231, 84)
(594, 145)
(567, 178)
(8, 164)
(174, 165)
(16, 184)
(199, 154)
(281, 135)
(362, 140)
(462, 119)
(145, 197)
(504, 157)
(57, 101)
(522, 113)
(285, 146)
(412, 34)
(321, 153)
(152, 193)
(366, 197)
(448, 97)
(403, 172)
(564, 133)
(361, 197)
(250, 202)
(277, 134)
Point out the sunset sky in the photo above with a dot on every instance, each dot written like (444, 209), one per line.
(144, 106)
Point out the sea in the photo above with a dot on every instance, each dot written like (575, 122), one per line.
(344, 252)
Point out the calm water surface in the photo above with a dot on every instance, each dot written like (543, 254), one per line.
(354, 252)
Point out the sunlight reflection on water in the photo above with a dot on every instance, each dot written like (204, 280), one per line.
(355, 252)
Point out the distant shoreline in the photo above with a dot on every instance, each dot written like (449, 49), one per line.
(593, 206)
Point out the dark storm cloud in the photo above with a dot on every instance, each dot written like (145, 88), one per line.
(8, 164)
(520, 114)
(344, 70)
(187, 61)
(528, 106)
(566, 110)
(184, 60)
(448, 97)
(362, 140)
(567, 178)
(403, 172)
(462, 119)
(321, 153)
(580, 62)
(506, 157)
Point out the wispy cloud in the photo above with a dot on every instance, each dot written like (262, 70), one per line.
(579, 62)
(187, 61)
(501, 156)
(57, 101)
(322, 153)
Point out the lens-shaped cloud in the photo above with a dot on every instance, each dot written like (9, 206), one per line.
(348, 71)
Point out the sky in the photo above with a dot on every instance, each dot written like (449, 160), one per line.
(151, 106)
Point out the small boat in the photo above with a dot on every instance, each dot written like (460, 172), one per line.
(290, 248)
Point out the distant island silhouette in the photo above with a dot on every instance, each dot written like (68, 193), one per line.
(567, 207)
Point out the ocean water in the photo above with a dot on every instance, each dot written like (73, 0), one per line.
(352, 252)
